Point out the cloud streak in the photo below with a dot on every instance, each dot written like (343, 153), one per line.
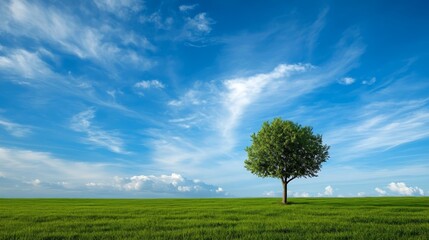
(22, 63)
(82, 122)
(380, 126)
(242, 92)
(185, 8)
(120, 8)
(27, 165)
(149, 84)
(15, 129)
(67, 33)
(370, 81)
(217, 110)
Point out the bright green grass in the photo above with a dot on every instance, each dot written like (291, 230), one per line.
(311, 218)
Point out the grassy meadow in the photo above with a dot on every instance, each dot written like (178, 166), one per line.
(259, 218)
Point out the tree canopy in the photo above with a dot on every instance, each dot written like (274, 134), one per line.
(286, 150)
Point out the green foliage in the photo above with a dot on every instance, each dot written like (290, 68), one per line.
(286, 150)
(311, 218)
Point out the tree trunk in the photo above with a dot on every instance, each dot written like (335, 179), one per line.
(284, 193)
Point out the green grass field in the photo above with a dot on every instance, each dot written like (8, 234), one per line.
(311, 218)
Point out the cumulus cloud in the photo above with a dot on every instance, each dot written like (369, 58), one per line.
(82, 122)
(346, 81)
(36, 182)
(369, 82)
(380, 191)
(402, 189)
(329, 190)
(169, 184)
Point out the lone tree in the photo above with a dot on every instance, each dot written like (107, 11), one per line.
(286, 150)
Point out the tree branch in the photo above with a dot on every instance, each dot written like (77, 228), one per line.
(287, 181)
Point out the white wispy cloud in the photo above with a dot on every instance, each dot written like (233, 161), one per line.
(379, 126)
(346, 81)
(223, 107)
(315, 29)
(200, 23)
(182, 151)
(184, 8)
(403, 189)
(242, 92)
(135, 40)
(149, 84)
(362, 173)
(191, 97)
(197, 28)
(157, 20)
(380, 191)
(15, 129)
(189, 121)
(29, 165)
(141, 87)
(82, 122)
(68, 33)
(113, 93)
(32, 70)
(22, 63)
(219, 108)
(121, 8)
(370, 81)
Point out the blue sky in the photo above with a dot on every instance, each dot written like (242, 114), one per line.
(159, 98)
